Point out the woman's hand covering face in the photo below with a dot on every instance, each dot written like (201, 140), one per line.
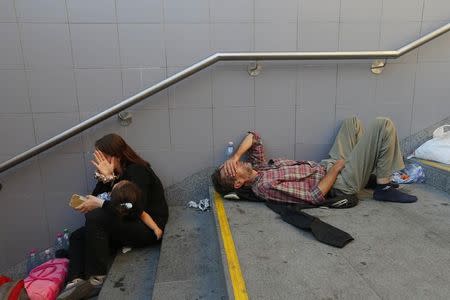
(105, 165)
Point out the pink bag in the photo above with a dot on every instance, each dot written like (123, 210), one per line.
(44, 282)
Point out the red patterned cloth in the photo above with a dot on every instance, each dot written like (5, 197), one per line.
(285, 180)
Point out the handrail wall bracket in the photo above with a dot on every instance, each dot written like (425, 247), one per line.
(378, 66)
(254, 69)
(125, 118)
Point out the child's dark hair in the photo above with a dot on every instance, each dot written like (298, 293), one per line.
(126, 200)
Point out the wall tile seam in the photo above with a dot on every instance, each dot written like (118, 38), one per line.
(165, 31)
(112, 68)
(120, 51)
(188, 107)
(232, 106)
(205, 23)
(384, 20)
(39, 159)
(18, 67)
(211, 85)
(414, 87)
(230, 22)
(377, 79)
(326, 22)
(27, 81)
(186, 23)
(52, 112)
(23, 66)
(41, 22)
(254, 31)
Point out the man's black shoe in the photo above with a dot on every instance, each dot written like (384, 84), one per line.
(389, 194)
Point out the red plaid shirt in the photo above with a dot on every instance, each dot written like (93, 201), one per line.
(285, 180)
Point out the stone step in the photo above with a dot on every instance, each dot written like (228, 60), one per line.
(186, 265)
(436, 174)
(132, 275)
(189, 265)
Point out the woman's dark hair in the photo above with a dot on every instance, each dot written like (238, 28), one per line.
(114, 145)
(126, 200)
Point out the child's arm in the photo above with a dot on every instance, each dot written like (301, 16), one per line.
(147, 219)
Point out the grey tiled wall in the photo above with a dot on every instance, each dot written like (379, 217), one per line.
(63, 61)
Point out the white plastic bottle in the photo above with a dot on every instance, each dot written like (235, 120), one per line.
(48, 255)
(33, 261)
(66, 237)
(230, 150)
(59, 243)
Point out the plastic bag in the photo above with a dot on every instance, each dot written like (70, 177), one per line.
(44, 282)
(438, 148)
(411, 173)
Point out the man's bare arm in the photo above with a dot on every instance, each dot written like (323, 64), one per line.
(230, 164)
(328, 180)
(246, 144)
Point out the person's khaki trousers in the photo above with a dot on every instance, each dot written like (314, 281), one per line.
(374, 151)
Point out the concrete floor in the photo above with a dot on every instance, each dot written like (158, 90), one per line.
(400, 251)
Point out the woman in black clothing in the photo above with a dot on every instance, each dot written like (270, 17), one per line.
(104, 232)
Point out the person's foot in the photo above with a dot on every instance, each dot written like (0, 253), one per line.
(372, 183)
(70, 287)
(74, 283)
(76, 290)
(389, 194)
(82, 289)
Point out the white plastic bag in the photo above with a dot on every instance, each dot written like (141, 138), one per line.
(438, 148)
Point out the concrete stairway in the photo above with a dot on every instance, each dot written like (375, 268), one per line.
(437, 174)
(187, 265)
(132, 275)
(190, 266)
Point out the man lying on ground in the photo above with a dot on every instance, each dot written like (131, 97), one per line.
(354, 156)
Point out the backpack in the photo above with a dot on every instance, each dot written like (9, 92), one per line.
(12, 290)
(44, 282)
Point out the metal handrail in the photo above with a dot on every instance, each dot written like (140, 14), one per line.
(237, 56)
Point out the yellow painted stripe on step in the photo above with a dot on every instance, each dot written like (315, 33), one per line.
(237, 280)
(435, 164)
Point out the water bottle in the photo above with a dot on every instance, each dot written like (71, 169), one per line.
(66, 239)
(59, 244)
(230, 150)
(48, 255)
(33, 261)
